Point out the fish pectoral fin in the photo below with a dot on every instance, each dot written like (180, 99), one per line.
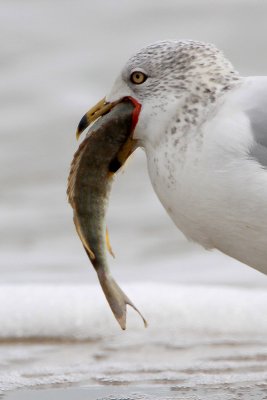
(108, 244)
(117, 299)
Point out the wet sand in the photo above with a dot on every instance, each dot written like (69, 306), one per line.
(131, 368)
(94, 393)
(143, 393)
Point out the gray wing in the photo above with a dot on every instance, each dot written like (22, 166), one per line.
(258, 120)
(257, 113)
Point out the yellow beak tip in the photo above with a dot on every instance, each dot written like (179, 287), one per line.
(78, 134)
(97, 111)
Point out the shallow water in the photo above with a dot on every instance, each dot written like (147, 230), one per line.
(143, 393)
(214, 345)
(207, 313)
(186, 369)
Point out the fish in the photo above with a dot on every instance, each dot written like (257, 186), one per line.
(104, 150)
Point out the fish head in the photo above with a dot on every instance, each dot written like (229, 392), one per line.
(99, 110)
(102, 108)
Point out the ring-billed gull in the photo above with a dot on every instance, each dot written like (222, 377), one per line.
(204, 130)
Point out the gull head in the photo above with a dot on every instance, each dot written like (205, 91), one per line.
(172, 80)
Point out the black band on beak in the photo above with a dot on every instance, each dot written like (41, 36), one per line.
(83, 124)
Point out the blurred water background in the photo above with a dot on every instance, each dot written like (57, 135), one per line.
(207, 312)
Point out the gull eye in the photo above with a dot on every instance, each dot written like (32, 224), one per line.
(138, 77)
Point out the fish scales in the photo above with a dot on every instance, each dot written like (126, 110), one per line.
(90, 179)
(89, 186)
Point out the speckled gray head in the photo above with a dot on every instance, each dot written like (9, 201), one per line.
(173, 64)
(179, 76)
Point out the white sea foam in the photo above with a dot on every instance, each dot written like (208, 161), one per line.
(80, 311)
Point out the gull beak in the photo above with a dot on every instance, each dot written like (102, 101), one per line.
(101, 108)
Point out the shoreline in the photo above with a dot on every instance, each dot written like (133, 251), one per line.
(204, 392)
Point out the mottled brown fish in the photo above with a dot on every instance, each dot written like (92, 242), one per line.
(104, 150)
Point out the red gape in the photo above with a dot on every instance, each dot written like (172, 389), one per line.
(136, 111)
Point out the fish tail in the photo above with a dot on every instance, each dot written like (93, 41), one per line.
(116, 298)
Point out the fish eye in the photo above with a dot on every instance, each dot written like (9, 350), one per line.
(138, 77)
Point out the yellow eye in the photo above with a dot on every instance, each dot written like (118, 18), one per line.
(138, 77)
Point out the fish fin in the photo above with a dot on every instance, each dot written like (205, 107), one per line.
(116, 298)
(89, 252)
(108, 244)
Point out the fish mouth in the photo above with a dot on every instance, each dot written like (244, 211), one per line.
(102, 108)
